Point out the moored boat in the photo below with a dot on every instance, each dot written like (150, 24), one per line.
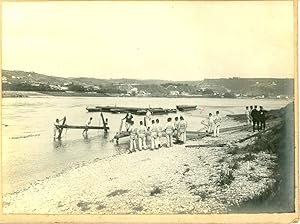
(133, 110)
(186, 107)
(93, 109)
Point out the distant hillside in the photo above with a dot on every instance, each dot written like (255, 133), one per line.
(95, 81)
(36, 77)
(21, 76)
(254, 86)
(231, 87)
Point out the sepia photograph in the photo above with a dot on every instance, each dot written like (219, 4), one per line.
(138, 108)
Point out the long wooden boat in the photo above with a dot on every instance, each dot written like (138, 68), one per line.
(129, 109)
(117, 110)
(155, 111)
(93, 109)
(186, 107)
(190, 134)
(133, 110)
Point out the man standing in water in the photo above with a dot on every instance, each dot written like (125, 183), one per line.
(56, 128)
(87, 124)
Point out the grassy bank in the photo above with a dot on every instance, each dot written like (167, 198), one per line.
(279, 140)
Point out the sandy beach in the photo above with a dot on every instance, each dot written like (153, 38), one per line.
(176, 180)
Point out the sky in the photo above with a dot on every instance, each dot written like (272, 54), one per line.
(169, 40)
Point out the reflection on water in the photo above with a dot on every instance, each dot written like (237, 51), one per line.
(59, 145)
(29, 152)
(87, 141)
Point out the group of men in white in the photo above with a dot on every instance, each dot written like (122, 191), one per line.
(151, 130)
(213, 124)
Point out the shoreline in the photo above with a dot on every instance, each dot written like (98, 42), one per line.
(176, 180)
(26, 94)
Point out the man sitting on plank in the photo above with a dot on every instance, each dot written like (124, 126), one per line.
(128, 119)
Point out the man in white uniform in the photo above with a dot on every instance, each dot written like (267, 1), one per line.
(148, 118)
(217, 122)
(153, 131)
(169, 129)
(141, 132)
(248, 116)
(182, 126)
(133, 135)
(87, 124)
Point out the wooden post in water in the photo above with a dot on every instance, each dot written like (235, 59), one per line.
(61, 129)
(104, 123)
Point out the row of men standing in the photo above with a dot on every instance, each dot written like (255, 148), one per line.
(256, 118)
(151, 129)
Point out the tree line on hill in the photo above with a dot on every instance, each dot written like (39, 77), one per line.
(232, 87)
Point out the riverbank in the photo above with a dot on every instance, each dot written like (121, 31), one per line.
(21, 94)
(279, 141)
(177, 180)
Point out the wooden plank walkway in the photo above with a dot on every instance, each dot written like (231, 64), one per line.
(62, 126)
(81, 127)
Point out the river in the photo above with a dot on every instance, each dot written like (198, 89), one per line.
(29, 153)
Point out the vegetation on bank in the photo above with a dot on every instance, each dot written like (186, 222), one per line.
(277, 140)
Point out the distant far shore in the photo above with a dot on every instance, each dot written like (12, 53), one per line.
(24, 94)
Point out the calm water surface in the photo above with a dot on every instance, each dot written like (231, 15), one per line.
(29, 152)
